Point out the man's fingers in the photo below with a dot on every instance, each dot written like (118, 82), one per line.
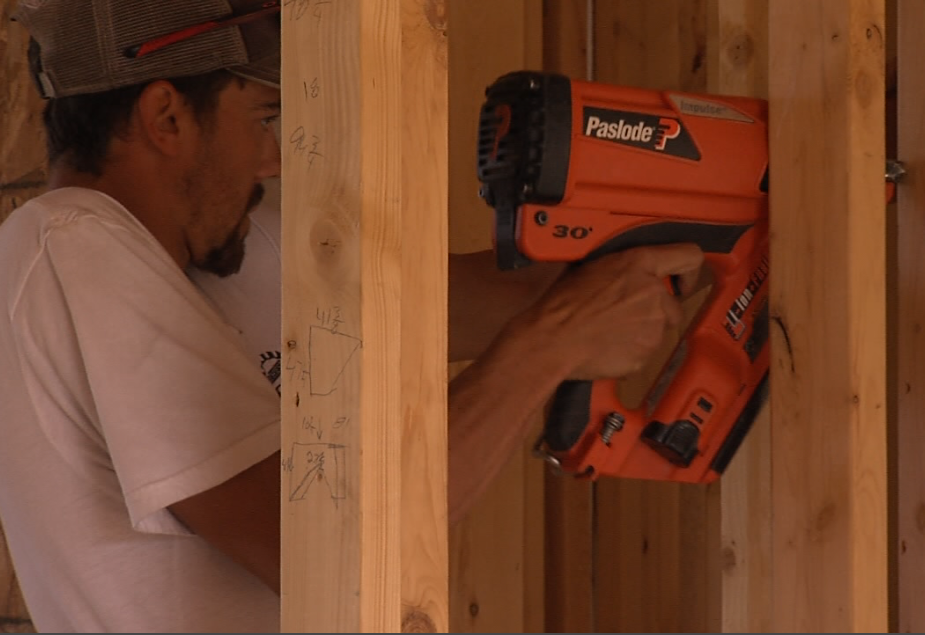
(682, 259)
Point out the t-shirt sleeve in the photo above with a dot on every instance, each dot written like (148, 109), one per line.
(176, 400)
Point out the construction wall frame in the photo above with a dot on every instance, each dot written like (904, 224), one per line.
(819, 523)
(796, 535)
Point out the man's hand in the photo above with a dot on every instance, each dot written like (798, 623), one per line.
(610, 315)
(602, 320)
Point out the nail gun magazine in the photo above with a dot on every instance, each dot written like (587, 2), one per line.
(574, 170)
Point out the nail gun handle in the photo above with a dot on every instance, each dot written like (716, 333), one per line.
(569, 414)
(700, 405)
(570, 410)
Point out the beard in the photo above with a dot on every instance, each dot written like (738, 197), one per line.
(226, 259)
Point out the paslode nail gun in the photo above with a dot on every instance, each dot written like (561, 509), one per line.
(575, 170)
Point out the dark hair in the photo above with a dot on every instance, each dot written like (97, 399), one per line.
(80, 127)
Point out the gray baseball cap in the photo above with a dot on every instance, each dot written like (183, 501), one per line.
(91, 46)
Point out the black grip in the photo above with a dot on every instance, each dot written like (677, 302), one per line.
(569, 415)
(713, 238)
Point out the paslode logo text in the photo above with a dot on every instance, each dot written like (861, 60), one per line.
(650, 132)
(665, 130)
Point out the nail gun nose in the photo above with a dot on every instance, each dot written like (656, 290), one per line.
(895, 171)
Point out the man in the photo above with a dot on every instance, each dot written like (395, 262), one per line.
(140, 467)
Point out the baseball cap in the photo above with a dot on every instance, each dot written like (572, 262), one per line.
(91, 46)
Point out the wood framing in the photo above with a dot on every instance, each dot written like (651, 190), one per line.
(569, 504)
(496, 552)
(737, 64)
(828, 314)
(909, 343)
(22, 176)
(664, 535)
(364, 315)
(378, 137)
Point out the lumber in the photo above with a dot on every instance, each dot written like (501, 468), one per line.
(569, 511)
(828, 316)
(664, 535)
(364, 317)
(737, 64)
(496, 552)
(908, 344)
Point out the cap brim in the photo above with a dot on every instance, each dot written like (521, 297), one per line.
(264, 71)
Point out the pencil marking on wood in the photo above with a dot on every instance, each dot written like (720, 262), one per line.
(311, 463)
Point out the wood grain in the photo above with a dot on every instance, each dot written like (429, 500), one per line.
(664, 536)
(909, 342)
(424, 212)
(569, 516)
(737, 64)
(496, 552)
(364, 253)
(651, 44)
(323, 331)
(827, 304)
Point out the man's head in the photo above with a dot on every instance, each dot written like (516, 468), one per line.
(182, 91)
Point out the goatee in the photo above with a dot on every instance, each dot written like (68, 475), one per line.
(227, 258)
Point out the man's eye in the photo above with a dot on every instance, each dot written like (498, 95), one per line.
(268, 121)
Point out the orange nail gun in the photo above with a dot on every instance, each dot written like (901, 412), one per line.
(575, 170)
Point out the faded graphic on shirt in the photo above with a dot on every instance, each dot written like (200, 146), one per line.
(272, 368)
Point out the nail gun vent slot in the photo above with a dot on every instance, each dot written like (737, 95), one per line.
(523, 138)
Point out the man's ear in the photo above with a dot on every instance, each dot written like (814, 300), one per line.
(164, 117)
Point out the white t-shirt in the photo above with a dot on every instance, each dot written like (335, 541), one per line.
(123, 392)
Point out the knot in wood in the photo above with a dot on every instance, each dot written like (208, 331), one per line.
(417, 621)
(435, 11)
(740, 50)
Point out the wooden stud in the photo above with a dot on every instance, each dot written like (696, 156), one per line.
(910, 380)
(665, 536)
(737, 64)
(827, 295)
(364, 405)
(569, 514)
(496, 553)
(424, 158)
(651, 44)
